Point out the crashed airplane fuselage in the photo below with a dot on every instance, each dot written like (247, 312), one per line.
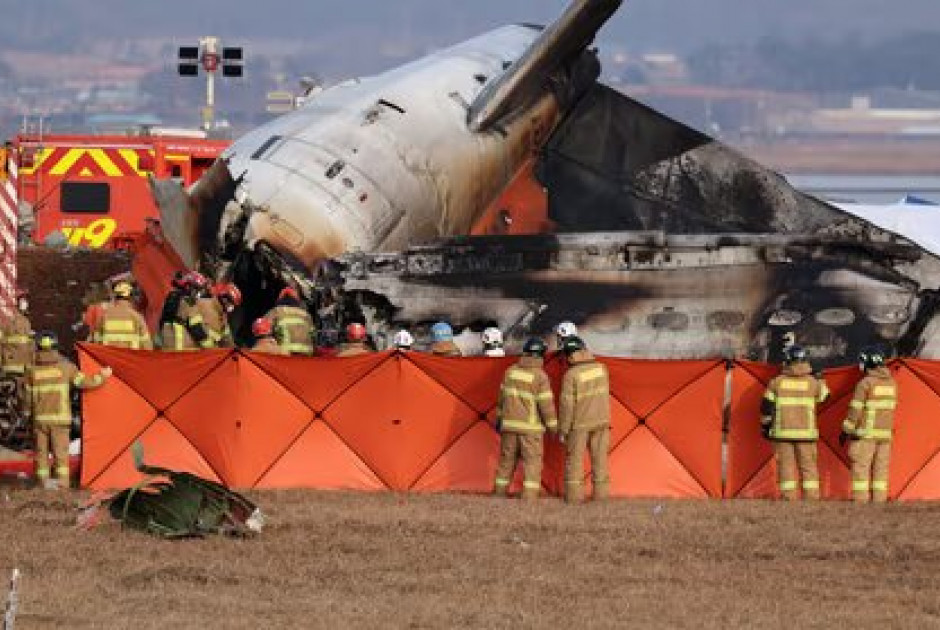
(663, 243)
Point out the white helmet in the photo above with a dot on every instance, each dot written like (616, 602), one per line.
(566, 329)
(492, 337)
(403, 340)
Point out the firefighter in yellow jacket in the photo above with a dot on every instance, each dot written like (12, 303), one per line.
(584, 420)
(48, 384)
(120, 324)
(869, 426)
(293, 326)
(788, 419)
(17, 348)
(526, 409)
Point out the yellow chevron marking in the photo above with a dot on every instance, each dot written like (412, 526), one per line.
(66, 162)
(133, 160)
(104, 161)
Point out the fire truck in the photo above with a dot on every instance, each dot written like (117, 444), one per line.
(93, 189)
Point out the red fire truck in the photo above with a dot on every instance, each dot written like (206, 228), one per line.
(93, 188)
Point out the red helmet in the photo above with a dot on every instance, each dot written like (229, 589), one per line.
(262, 327)
(355, 332)
(228, 292)
(196, 280)
(288, 292)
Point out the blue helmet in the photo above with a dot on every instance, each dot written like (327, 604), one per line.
(441, 331)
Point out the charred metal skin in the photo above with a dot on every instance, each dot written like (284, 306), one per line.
(648, 294)
(668, 244)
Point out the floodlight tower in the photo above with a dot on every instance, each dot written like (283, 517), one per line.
(210, 54)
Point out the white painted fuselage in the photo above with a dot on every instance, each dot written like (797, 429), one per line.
(380, 163)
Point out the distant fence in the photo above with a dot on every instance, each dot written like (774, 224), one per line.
(415, 422)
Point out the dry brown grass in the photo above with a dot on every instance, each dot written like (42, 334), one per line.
(333, 560)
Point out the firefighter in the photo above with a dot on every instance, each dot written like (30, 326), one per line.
(213, 307)
(493, 343)
(584, 420)
(293, 326)
(120, 324)
(169, 314)
(17, 350)
(869, 427)
(48, 383)
(263, 330)
(526, 410)
(788, 419)
(403, 341)
(185, 330)
(356, 342)
(442, 341)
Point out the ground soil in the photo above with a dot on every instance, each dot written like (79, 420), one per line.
(332, 560)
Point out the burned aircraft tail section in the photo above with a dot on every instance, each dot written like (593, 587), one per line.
(558, 51)
(616, 164)
(191, 221)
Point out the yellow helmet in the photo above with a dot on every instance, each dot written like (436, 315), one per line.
(123, 289)
(48, 341)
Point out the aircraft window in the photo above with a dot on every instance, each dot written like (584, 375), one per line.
(86, 198)
(335, 169)
(257, 155)
(397, 108)
(480, 78)
(348, 183)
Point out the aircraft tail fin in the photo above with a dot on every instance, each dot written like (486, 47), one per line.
(556, 45)
(190, 221)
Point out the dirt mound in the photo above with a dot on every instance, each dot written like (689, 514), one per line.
(333, 560)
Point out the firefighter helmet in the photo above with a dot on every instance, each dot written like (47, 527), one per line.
(262, 327)
(47, 341)
(870, 358)
(565, 330)
(228, 293)
(196, 280)
(178, 281)
(442, 331)
(123, 290)
(492, 337)
(573, 344)
(288, 293)
(534, 347)
(355, 332)
(403, 340)
(795, 354)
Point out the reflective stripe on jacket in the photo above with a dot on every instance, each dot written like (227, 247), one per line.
(794, 395)
(175, 335)
(293, 329)
(526, 404)
(871, 412)
(48, 384)
(585, 395)
(121, 326)
(17, 350)
(216, 323)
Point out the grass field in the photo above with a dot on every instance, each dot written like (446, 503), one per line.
(331, 560)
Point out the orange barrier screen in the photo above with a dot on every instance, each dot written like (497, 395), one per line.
(415, 422)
